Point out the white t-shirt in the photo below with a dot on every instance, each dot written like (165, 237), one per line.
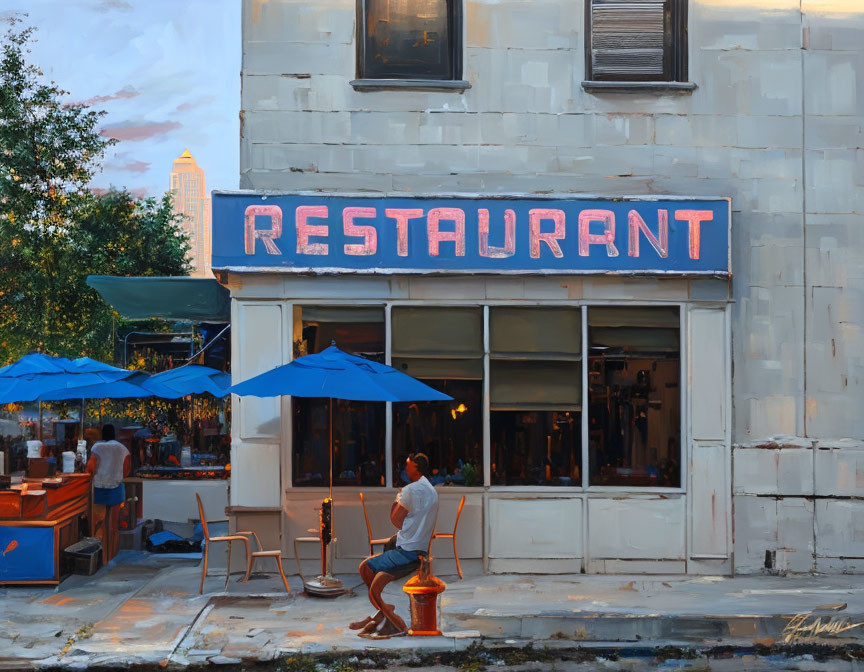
(111, 456)
(421, 500)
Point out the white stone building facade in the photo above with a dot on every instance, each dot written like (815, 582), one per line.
(770, 115)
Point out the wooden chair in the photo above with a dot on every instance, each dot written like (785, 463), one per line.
(372, 542)
(209, 540)
(261, 553)
(451, 535)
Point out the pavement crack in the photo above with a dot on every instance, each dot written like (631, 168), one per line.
(200, 617)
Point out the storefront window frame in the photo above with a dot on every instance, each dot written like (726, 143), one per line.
(583, 306)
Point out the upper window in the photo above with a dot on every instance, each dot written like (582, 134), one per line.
(636, 40)
(410, 39)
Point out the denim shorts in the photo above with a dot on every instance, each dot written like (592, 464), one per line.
(395, 562)
(109, 496)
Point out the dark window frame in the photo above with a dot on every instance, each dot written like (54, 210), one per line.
(676, 49)
(456, 47)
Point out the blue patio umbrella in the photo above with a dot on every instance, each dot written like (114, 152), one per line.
(336, 374)
(36, 363)
(36, 375)
(122, 388)
(188, 379)
(40, 377)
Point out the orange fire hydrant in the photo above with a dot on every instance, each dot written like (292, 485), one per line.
(423, 590)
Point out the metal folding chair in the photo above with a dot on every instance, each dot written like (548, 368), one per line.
(209, 540)
(372, 542)
(451, 535)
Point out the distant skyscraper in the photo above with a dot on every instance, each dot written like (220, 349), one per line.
(193, 202)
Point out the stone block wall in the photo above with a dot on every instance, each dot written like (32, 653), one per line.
(799, 501)
(776, 123)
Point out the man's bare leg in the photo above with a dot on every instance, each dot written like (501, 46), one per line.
(378, 583)
(370, 623)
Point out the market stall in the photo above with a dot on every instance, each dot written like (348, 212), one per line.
(38, 519)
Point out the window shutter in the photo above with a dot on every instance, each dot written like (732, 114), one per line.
(437, 332)
(541, 386)
(535, 333)
(628, 40)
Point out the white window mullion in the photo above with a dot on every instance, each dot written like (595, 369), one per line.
(487, 439)
(584, 413)
(388, 416)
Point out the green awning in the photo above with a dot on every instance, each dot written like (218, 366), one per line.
(173, 298)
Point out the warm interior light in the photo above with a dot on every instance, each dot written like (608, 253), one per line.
(459, 410)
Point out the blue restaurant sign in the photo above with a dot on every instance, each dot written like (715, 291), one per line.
(316, 233)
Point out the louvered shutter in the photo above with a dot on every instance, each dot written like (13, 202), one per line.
(630, 40)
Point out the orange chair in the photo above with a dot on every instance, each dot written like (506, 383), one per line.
(372, 542)
(261, 553)
(451, 535)
(209, 540)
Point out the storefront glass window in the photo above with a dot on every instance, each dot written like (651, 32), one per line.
(535, 389)
(634, 413)
(443, 347)
(358, 427)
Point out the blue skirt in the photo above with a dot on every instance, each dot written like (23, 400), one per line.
(109, 496)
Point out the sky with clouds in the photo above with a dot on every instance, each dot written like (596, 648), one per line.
(167, 72)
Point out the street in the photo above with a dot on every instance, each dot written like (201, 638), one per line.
(143, 610)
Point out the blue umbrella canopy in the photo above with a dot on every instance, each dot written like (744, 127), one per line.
(36, 375)
(117, 388)
(88, 365)
(188, 379)
(36, 363)
(338, 375)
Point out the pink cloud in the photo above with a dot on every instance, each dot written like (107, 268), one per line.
(192, 104)
(132, 130)
(125, 92)
(135, 166)
(137, 192)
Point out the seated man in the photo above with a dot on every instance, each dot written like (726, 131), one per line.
(414, 514)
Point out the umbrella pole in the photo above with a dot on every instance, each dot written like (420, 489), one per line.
(82, 419)
(326, 585)
(39, 433)
(325, 549)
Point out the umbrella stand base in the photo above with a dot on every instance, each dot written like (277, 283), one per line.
(324, 586)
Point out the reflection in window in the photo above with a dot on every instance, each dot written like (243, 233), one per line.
(450, 433)
(535, 395)
(535, 448)
(358, 427)
(443, 347)
(410, 39)
(634, 396)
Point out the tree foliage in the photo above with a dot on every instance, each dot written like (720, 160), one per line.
(54, 231)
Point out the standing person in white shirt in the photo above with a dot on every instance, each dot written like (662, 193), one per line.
(109, 463)
(414, 514)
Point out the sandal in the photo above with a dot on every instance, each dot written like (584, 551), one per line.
(360, 625)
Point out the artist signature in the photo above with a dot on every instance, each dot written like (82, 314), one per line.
(804, 626)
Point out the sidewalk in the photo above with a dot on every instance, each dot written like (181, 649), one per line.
(146, 609)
